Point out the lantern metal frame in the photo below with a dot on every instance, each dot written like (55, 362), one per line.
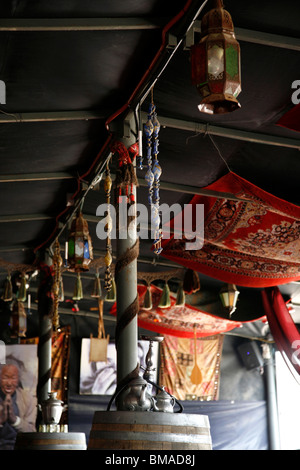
(80, 249)
(229, 297)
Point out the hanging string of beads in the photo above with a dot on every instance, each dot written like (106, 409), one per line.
(57, 264)
(153, 174)
(108, 228)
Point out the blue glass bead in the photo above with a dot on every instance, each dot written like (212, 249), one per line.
(156, 169)
(149, 177)
(148, 128)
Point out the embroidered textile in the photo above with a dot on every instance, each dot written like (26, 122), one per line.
(253, 241)
(178, 320)
(177, 362)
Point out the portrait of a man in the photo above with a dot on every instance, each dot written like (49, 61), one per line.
(18, 403)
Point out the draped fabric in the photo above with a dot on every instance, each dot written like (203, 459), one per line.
(234, 425)
(253, 241)
(282, 326)
(291, 119)
(180, 321)
(177, 362)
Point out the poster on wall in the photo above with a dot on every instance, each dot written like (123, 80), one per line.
(100, 378)
(18, 400)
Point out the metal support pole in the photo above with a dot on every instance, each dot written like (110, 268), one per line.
(126, 281)
(273, 423)
(45, 341)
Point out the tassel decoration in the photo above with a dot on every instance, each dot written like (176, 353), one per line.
(125, 174)
(191, 283)
(112, 293)
(8, 290)
(180, 298)
(78, 294)
(165, 300)
(148, 299)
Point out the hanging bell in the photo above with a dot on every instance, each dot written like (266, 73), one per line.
(8, 291)
(191, 283)
(78, 295)
(180, 297)
(147, 305)
(21, 295)
(112, 293)
(165, 300)
(97, 287)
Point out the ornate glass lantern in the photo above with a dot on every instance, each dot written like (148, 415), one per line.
(80, 249)
(215, 63)
(229, 296)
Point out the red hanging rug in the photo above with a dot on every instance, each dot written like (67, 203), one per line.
(253, 241)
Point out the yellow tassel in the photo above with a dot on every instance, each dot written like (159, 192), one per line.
(78, 295)
(180, 298)
(111, 295)
(8, 291)
(97, 287)
(148, 299)
(165, 300)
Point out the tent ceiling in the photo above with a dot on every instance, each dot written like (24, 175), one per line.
(68, 66)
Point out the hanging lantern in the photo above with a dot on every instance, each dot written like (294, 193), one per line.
(80, 250)
(229, 296)
(18, 320)
(215, 63)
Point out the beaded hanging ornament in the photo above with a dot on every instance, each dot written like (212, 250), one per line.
(108, 228)
(153, 174)
(57, 265)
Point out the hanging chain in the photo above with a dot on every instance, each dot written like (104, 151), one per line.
(57, 264)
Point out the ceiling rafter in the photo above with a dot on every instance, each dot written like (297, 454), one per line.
(192, 126)
(80, 24)
(118, 24)
(237, 134)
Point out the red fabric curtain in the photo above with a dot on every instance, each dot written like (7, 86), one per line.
(282, 326)
(252, 242)
(181, 321)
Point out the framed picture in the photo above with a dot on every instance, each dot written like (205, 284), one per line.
(100, 378)
(18, 383)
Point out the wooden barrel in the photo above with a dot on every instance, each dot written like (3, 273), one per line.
(120, 430)
(50, 441)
